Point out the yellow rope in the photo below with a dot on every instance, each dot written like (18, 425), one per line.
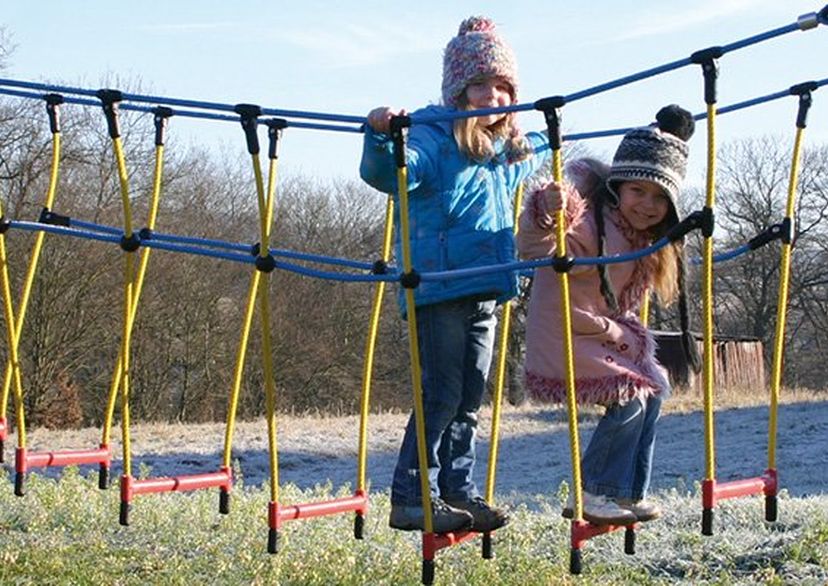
(414, 350)
(782, 304)
(138, 286)
(27, 285)
(707, 299)
(503, 349)
(370, 344)
(644, 311)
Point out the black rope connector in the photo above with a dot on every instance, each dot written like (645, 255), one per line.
(255, 249)
(275, 126)
(265, 264)
(398, 124)
(691, 222)
(53, 102)
(145, 233)
(710, 69)
(823, 15)
(769, 234)
(130, 244)
(410, 280)
(4, 225)
(249, 113)
(49, 217)
(380, 268)
(551, 108)
(563, 264)
(161, 115)
(788, 229)
(708, 222)
(110, 99)
(803, 90)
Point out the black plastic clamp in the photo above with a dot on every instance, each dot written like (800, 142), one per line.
(130, 244)
(265, 264)
(275, 126)
(551, 108)
(249, 114)
(161, 115)
(4, 225)
(53, 102)
(410, 280)
(803, 90)
(563, 264)
(145, 233)
(397, 125)
(380, 268)
(708, 222)
(691, 222)
(769, 234)
(109, 100)
(255, 249)
(710, 68)
(49, 217)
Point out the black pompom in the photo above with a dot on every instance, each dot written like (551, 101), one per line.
(677, 121)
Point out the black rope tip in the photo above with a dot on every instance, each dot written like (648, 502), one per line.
(276, 123)
(4, 225)
(47, 216)
(163, 112)
(805, 87)
(255, 248)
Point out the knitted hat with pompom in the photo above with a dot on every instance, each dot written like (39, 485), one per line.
(657, 154)
(476, 52)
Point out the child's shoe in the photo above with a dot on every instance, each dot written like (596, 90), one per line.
(643, 509)
(444, 519)
(599, 510)
(486, 517)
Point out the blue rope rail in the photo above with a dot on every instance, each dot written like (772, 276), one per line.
(803, 23)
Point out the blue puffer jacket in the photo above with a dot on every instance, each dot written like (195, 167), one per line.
(461, 212)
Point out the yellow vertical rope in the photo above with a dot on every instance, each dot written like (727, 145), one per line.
(708, 372)
(568, 357)
(127, 307)
(782, 305)
(644, 310)
(138, 287)
(414, 351)
(8, 312)
(503, 349)
(29, 279)
(266, 217)
(370, 344)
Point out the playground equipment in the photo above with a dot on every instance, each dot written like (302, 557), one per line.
(264, 260)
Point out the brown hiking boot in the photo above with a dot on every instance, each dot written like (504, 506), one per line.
(486, 518)
(444, 518)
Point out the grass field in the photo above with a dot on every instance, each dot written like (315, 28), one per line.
(66, 531)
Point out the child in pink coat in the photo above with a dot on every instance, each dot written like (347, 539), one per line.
(610, 210)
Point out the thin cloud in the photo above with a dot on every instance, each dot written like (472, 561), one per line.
(187, 27)
(665, 21)
(349, 45)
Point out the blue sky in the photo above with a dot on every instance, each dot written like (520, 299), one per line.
(349, 57)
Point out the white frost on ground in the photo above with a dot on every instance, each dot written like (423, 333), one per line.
(534, 455)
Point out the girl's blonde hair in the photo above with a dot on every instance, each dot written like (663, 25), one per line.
(479, 143)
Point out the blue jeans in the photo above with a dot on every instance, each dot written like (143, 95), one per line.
(618, 462)
(455, 340)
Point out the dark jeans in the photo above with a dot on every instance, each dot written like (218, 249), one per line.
(455, 340)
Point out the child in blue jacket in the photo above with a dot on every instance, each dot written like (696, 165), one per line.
(462, 176)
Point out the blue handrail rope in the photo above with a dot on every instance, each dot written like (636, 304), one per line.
(804, 22)
(196, 246)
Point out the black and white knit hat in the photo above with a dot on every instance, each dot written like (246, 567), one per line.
(657, 154)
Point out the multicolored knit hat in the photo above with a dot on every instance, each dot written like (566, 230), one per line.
(476, 52)
(657, 154)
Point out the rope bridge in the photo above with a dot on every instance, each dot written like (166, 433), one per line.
(138, 243)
